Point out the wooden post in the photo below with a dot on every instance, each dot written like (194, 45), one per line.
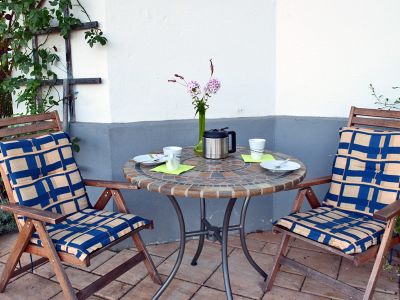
(68, 59)
(66, 95)
(35, 49)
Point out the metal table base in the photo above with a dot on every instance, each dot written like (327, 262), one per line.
(211, 232)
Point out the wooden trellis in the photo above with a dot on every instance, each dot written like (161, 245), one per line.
(69, 82)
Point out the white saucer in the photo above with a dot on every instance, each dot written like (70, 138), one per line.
(150, 159)
(273, 166)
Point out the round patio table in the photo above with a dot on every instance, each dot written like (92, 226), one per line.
(229, 178)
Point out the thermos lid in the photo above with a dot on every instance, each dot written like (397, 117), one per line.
(216, 133)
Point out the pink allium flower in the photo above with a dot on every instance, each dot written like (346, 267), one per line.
(212, 86)
(193, 88)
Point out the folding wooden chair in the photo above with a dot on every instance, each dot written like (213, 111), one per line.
(357, 218)
(48, 198)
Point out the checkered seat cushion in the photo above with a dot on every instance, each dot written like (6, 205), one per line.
(348, 231)
(88, 230)
(43, 174)
(365, 178)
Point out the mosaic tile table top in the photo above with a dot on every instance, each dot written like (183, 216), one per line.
(225, 178)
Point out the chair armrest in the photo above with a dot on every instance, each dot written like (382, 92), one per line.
(33, 213)
(388, 212)
(313, 182)
(110, 184)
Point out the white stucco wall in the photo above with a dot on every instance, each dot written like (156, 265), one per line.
(152, 40)
(93, 101)
(273, 57)
(328, 52)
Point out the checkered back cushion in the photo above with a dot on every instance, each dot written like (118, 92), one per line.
(366, 170)
(43, 173)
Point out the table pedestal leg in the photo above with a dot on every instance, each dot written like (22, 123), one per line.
(181, 250)
(224, 247)
(220, 234)
(202, 228)
(243, 239)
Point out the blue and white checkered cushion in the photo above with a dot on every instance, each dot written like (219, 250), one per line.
(351, 232)
(88, 230)
(43, 174)
(366, 170)
(365, 178)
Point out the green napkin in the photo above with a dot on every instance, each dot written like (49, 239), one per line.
(247, 158)
(163, 169)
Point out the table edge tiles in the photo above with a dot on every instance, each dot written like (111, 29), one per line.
(225, 178)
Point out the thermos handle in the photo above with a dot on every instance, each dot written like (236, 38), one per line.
(233, 141)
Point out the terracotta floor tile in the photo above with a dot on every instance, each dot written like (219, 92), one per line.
(177, 290)
(252, 244)
(314, 287)
(79, 279)
(270, 248)
(25, 258)
(30, 286)
(45, 270)
(98, 260)
(265, 236)
(289, 280)
(60, 296)
(245, 280)
(163, 250)
(277, 293)
(209, 260)
(358, 276)
(207, 293)
(384, 296)
(304, 245)
(7, 241)
(115, 290)
(132, 276)
(323, 262)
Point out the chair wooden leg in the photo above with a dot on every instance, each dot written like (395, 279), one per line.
(383, 248)
(276, 265)
(298, 201)
(20, 245)
(148, 262)
(55, 261)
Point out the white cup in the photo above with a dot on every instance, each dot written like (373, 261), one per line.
(173, 154)
(257, 148)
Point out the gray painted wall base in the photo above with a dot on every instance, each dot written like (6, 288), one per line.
(106, 147)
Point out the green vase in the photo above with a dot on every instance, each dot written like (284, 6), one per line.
(202, 127)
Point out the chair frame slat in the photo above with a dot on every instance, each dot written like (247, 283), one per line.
(384, 123)
(27, 129)
(28, 119)
(374, 118)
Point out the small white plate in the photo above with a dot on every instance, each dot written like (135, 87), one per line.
(273, 166)
(150, 159)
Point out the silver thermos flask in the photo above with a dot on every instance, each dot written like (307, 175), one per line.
(216, 143)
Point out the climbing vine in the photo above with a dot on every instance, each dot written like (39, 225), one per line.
(22, 67)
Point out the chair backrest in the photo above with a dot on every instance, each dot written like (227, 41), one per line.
(374, 118)
(37, 165)
(366, 169)
(24, 127)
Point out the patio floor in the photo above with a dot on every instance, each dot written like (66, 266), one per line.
(204, 280)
